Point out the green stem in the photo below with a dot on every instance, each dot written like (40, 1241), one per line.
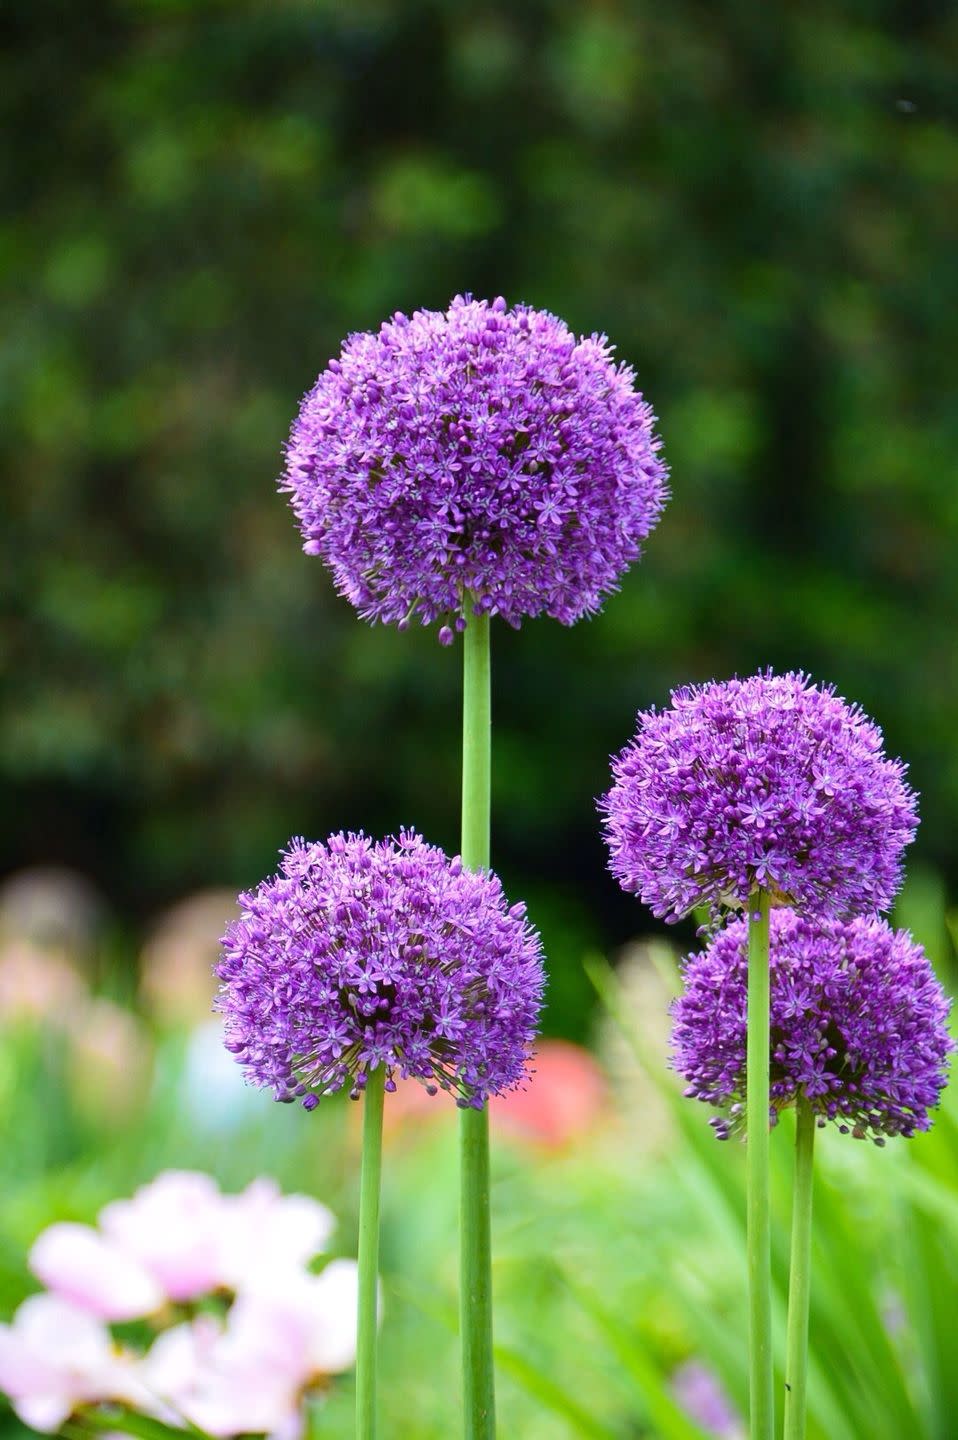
(366, 1332)
(761, 1392)
(475, 1275)
(799, 1282)
(476, 743)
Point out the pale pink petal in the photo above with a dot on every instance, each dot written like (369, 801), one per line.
(44, 1412)
(266, 1232)
(19, 1368)
(77, 1263)
(54, 1358)
(229, 1405)
(269, 1330)
(305, 1323)
(332, 1342)
(172, 1368)
(173, 1227)
(292, 1428)
(198, 1373)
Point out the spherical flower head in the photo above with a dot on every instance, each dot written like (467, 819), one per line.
(362, 953)
(859, 1025)
(481, 457)
(770, 782)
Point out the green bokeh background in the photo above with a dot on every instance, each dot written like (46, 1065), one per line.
(757, 204)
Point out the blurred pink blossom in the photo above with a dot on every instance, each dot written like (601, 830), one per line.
(265, 1233)
(249, 1374)
(193, 1375)
(306, 1323)
(179, 1238)
(82, 1266)
(195, 1240)
(172, 1227)
(55, 1358)
(566, 1100)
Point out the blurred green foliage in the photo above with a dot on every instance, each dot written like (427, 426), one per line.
(757, 203)
(619, 1257)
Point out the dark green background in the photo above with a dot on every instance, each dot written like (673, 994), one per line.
(757, 203)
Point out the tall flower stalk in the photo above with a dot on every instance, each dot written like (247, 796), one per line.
(451, 467)
(859, 1036)
(761, 1375)
(365, 962)
(475, 1293)
(369, 1193)
(800, 1273)
(752, 794)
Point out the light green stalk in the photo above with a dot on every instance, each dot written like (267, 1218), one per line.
(761, 1392)
(475, 1275)
(366, 1332)
(799, 1282)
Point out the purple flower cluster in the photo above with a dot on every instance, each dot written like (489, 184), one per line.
(859, 1025)
(360, 954)
(767, 782)
(481, 453)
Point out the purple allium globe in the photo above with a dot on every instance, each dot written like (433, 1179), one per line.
(769, 782)
(479, 454)
(859, 1025)
(362, 953)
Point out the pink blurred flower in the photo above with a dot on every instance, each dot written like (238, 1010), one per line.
(305, 1323)
(83, 1267)
(173, 1228)
(195, 1240)
(265, 1233)
(249, 1375)
(179, 1239)
(565, 1100)
(55, 1358)
(194, 1376)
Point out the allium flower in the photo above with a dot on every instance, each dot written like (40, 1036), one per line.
(770, 782)
(361, 954)
(858, 1025)
(479, 452)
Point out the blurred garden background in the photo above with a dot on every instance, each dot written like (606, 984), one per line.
(758, 205)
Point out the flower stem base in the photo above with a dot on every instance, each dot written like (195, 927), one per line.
(761, 1391)
(799, 1283)
(366, 1333)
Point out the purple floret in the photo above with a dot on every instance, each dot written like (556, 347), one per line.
(363, 953)
(481, 453)
(768, 782)
(859, 1025)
